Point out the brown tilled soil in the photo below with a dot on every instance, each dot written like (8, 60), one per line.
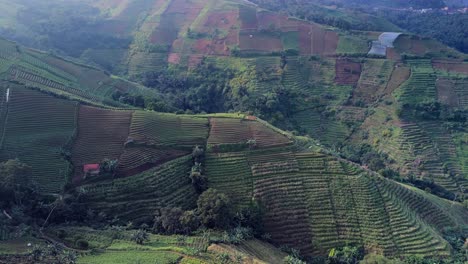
(399, 75)
(135, 160)
(224, 20)
(446, 93)
(173, 58)
(347, 72)
(315, 40)
(101, 134)
(451, 66)
(392, 54)
(260, 43)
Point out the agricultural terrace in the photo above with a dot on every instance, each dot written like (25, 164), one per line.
(65, 78)
(136, 159)
(329, 131)
(101, 135)
(399, 76)
(158, 129)
(238, 131)
(314, 203)
(315, 40)
(347, 72)
(373, 81)
(451, 66)
(175, 20)
(36, 128)
(230, 173)
(421, 86)
(141, 195)
(421, 46)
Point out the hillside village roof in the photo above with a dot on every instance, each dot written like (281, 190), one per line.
(91, 168)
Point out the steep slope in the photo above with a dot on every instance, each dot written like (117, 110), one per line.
(67, 79)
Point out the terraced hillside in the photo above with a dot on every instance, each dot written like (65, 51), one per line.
(315, 202)
(398, 107)
(35, 129)
(52, 74)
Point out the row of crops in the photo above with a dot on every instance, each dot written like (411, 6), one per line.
(30, 78)
(143, 194)
(239, 131)
(421, 85)
(36, 129)
(374, 77)
(138, 159)
(101, 135)
(429, 154)
(142, 62)
(328, 131)
(316, 203)
(168, 130)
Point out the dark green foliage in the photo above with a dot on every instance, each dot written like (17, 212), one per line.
(365, 155)
(347, 254)
(140, 236)
(214, 209)
(82, 244)
(168, 221)
(252, 218)
(15, 180)
(433, 110)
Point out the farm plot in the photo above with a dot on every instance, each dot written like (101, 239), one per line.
(317, 41)
(142, 62)
(37, 128)
(287, 215)
(101, 135)
(426, 152)
(374, 76)
(268, 74)
(421, 86)
(347, 72)
(265, 163)
(138, 159)
(230, 173)
(329, 131)
(261, 42)
(352, 44)
(239, 131)
(177, 18)
(347, 206)
(271, 21)
(248, 18)
(221, 20)
(413, 234)
(446, 92)
(451, 66)
(8, 49)
(157, 129)
(142, 195)
(399, 76)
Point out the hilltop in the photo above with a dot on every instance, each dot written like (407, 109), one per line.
(326, 134)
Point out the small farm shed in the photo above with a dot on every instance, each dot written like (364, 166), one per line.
(91, 169)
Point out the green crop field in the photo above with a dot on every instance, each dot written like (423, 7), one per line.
(168, 130)
(36, 128)
(171, 181)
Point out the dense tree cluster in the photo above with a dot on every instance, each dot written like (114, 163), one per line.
(211, 89)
